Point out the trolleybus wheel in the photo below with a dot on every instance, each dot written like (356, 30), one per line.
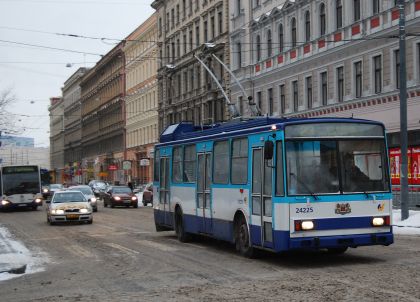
(179, 227)
(242, 239)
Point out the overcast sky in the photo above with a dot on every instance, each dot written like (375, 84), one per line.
(37, 74)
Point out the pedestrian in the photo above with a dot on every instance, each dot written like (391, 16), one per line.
(130, 185)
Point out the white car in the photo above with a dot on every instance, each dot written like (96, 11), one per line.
(87, 191)
(67, 206)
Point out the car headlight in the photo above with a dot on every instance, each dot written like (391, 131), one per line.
(84, 211)
(134, 198)
(45, 190)
(93, 199)
(4, 202)
(57, 212)
(38, 200)
(117, 198)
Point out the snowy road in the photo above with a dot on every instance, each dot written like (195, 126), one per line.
(121, 258)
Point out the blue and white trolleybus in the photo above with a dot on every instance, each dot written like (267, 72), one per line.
(276, 184)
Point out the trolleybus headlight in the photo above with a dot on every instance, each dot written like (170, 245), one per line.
(381, 221)
(4, 202)
(307, 225)
(38, 200)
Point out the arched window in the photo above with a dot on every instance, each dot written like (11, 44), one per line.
(307, 26)
(294, 37)
(269, 44)
(322, 19)
(258, 48)
(339, 13)
(281, 38)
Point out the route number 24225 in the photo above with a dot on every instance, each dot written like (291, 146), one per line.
(305, 210)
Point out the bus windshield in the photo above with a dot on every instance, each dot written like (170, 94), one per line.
(20, 180)
(336, 166)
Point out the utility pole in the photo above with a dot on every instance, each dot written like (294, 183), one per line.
(403, 114)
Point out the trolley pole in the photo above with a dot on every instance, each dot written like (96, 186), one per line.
(403, 113)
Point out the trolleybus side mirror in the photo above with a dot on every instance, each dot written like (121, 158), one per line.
(268, 150)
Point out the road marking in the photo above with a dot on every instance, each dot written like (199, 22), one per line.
(156, 245)
(123, 249)
(79, 251)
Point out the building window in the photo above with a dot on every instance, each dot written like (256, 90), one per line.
(258, 48)
(185, 43)
(377, 71)
(183, 9)
(197, 35)
(339, 13)
(375, 7)
(197, 5)
(259, 99)
(172, 18)
(269, 44)
(241, 105)
(294, 37)
(281, 38)
(185, 81)
(307, 26)
(324, 88)
(173, 51)
(358, 78)
(309, 92)
(238, 7)
(205, 32)
(282, 99)
(191, 39)
(239, 54)
(220, 16)
(397, 68)
(212, 28)
(167, 21)
(160, 26)
(340, 83)
(178, 48)
(270, 101)
(239, 161)
(295, 96)
(356, 10)
(177, 14)
(322, 20)
(190, 7)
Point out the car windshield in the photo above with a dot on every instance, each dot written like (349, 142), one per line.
(68, 197)
(56, 186)
(121, 190)
(84, 190)
(331, 166)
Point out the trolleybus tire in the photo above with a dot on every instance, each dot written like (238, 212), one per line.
(242, 240)
(337, 250)
(179, 227)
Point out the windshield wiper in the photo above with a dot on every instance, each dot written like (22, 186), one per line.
(305, 186)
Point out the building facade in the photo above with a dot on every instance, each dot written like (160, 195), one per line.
(103, 118)
(308, 58)
(73, 127)
(16, 141)
(56, 110)
(141, 101)
(22, 155)
(186, 91)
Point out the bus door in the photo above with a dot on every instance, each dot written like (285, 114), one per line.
(164, 190)
(203, 193)
(262, 196)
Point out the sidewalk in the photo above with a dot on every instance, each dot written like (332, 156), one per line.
(410, 226)
(15, 258)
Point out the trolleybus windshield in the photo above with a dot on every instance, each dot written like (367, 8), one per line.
(20, 180)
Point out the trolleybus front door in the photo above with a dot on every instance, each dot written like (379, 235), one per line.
(164, 190)
(203, 193)
(262, 196)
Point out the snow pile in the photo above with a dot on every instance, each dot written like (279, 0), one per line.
(13, 254)
(410, 226)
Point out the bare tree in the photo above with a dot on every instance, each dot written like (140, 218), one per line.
(6, 118)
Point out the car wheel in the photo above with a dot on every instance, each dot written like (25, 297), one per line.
(34, 208)
(95, 209)
(135, 206)
(112, 205)
(242, 240)
(90, 221)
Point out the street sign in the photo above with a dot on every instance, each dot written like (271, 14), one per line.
(126, 165)
(112, 167)
(144, 162)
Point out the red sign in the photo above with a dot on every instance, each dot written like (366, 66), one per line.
(413, 154)
(112, 167)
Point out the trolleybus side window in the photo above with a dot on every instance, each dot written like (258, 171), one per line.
(279, 170)
(256, 182)
(177, 165)
(156, 168)
(221, 162)
(240, 161)
(190, 158)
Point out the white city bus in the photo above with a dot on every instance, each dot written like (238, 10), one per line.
(20, 186)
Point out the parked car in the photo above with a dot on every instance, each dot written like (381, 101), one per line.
(120, 196)
(67, 206)
(148, 194)
(87, 191)
(48, 191)
(98, 187)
